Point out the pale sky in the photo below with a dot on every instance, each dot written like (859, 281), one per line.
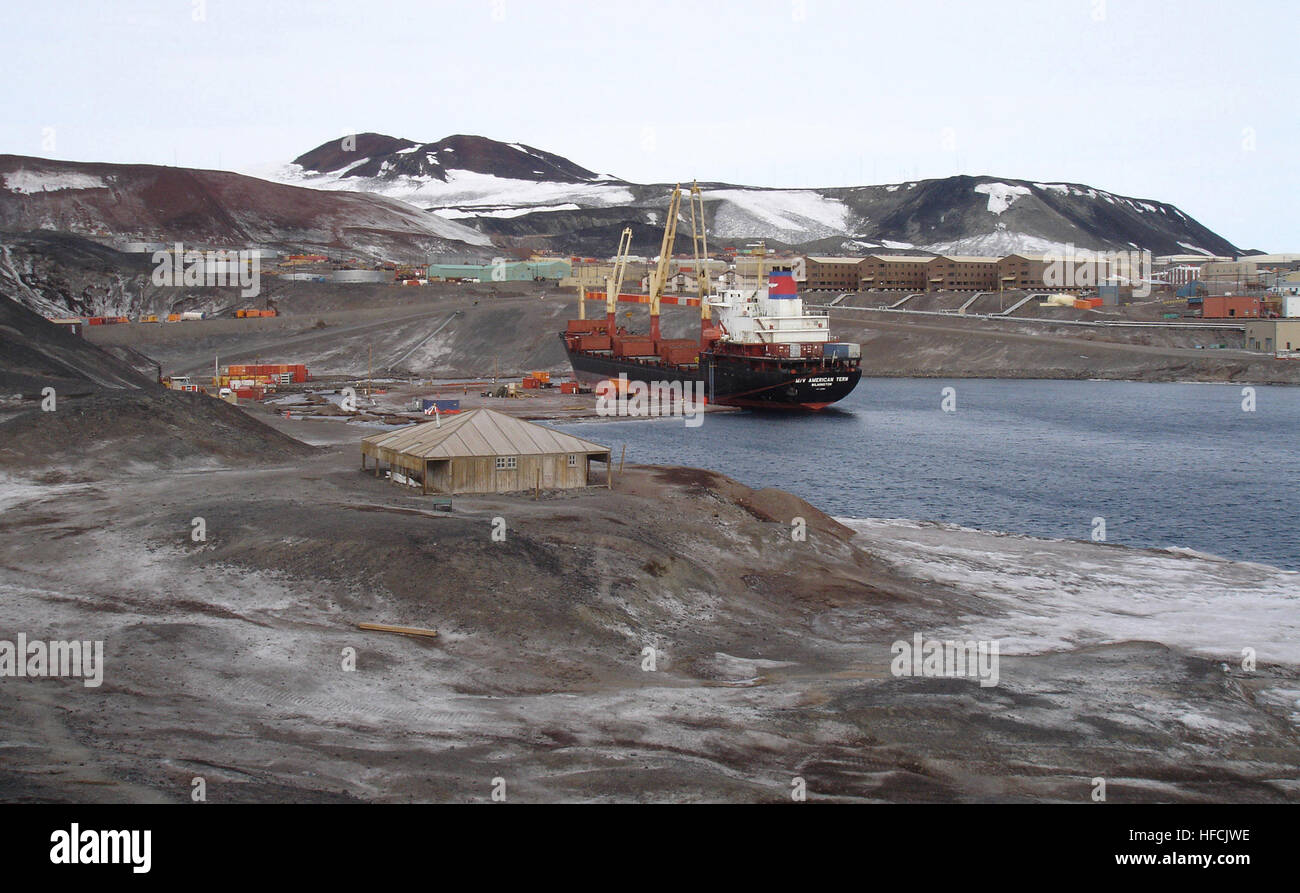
(1186, 101)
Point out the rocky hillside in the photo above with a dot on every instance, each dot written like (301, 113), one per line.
(468, 197)
(518, 194)
(105, 413)
(216, 209)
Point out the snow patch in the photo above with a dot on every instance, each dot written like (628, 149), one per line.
(792, 215)
(503, 213)
(1001, 195)
(28, 182)
(465, 190)
(998, 243)
(1048, 595)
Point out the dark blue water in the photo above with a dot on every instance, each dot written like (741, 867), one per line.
(1164, 464)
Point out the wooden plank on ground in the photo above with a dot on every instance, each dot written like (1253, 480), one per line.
(402, 630)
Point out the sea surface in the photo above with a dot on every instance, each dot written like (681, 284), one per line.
(1165, 465)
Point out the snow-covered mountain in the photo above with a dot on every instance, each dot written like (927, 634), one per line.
(467, 196)
(516, 193)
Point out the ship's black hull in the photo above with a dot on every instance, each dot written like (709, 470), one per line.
(730, 380)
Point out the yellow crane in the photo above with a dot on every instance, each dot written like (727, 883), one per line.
(700, 243)
(614, 283)
(660, 276)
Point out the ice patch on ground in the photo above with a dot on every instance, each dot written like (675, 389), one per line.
(504, 213)
(1001, 195)
(792, 215)
(1048, 595)
(464, 191)
(998, 244)
(28, 182)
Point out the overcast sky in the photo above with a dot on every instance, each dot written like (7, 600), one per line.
(1189, 102)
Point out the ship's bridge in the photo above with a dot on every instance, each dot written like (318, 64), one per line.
(756, 317)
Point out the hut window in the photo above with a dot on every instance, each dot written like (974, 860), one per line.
(507, 461)
(573, 460)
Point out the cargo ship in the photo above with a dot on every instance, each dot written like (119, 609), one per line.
(758, 347)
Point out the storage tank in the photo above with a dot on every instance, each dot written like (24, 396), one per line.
(355, 276)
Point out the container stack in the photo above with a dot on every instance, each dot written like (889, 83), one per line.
(253, 381)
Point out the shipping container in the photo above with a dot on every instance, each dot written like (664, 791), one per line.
(594, 342)
(442, 405)
(634, 347)
(843, 350)
(530, 383)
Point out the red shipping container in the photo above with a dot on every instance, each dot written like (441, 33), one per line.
(594, 342)
(634, 347)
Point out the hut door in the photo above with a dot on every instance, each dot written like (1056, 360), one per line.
(548, 470)
(437, 475)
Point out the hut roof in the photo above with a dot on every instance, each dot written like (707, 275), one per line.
(480, 432)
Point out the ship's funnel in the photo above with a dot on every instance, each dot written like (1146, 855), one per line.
(780, 286)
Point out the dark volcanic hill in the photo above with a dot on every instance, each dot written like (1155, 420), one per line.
(472, 198)
(387, 157)
(106, 413)
(214, 208)
(521, 195)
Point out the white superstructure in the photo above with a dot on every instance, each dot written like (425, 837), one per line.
(753, 316)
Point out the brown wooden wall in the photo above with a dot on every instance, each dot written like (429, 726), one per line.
(479, 474)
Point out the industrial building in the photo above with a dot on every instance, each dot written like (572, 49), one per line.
(894, 271)
(1280, 337)
(832, 273)
(1231, 307)
(484, 451)
(963, 273)
(501, 270)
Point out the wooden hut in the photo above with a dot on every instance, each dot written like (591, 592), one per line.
(484, 451)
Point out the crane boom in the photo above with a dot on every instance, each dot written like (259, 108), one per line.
(700, 242)
(614, 284)
(660, 277)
